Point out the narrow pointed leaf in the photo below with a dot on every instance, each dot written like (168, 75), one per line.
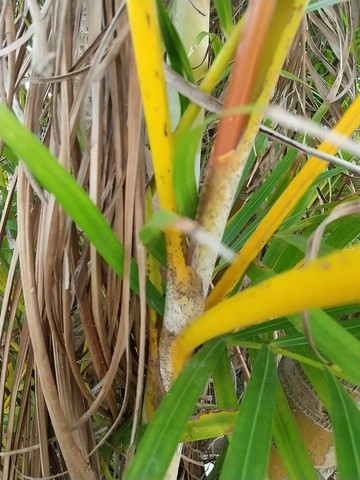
(249, 448)
(316, 5)
(345, 417)
(223, 380)
(289, 443)
(164, 432)
(333, 340)
(185, 188)
(253, 205)
(224, 11)
(74, 200)
(175, 49)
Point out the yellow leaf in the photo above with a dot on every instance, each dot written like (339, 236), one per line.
(325, 282)
(282, 208)
(149, 61)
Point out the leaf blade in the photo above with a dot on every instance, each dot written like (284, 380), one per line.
(157, 446)
(251, 438)
(289, 443)
(345, 418)
(54, 178)
(333, 339)
(145, 30)
(325, 282)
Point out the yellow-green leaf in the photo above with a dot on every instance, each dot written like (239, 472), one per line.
(282, 208)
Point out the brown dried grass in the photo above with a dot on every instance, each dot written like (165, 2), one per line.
(77, 364)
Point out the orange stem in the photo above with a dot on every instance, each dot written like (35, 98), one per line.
(240, 90)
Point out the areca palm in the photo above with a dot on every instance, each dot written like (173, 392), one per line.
(90, 313)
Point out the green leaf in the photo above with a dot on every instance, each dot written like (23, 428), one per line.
(289, 443)
(9, 155)
(3, 180)
(210, 425)
(175, 49)
(340, 347)
(250, 332)
(215, 472)
(184, 183)
(253, 206)
(341, 310)
(74, 200)
(224, 11)
(249, 448)
(152, 233)
(163, 434)
(315, 375)
(154, 241)
(215, 43)
(343, 231)
(296, 339)
(345, 417)
(223, 380)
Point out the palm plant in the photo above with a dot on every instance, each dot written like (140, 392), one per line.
(116, 265)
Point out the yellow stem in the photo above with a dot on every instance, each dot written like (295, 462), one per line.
(325, 282)
(148, 55)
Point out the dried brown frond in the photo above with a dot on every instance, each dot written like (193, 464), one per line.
(72, 365)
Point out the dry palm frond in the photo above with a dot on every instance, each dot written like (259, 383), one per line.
(70, 364)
